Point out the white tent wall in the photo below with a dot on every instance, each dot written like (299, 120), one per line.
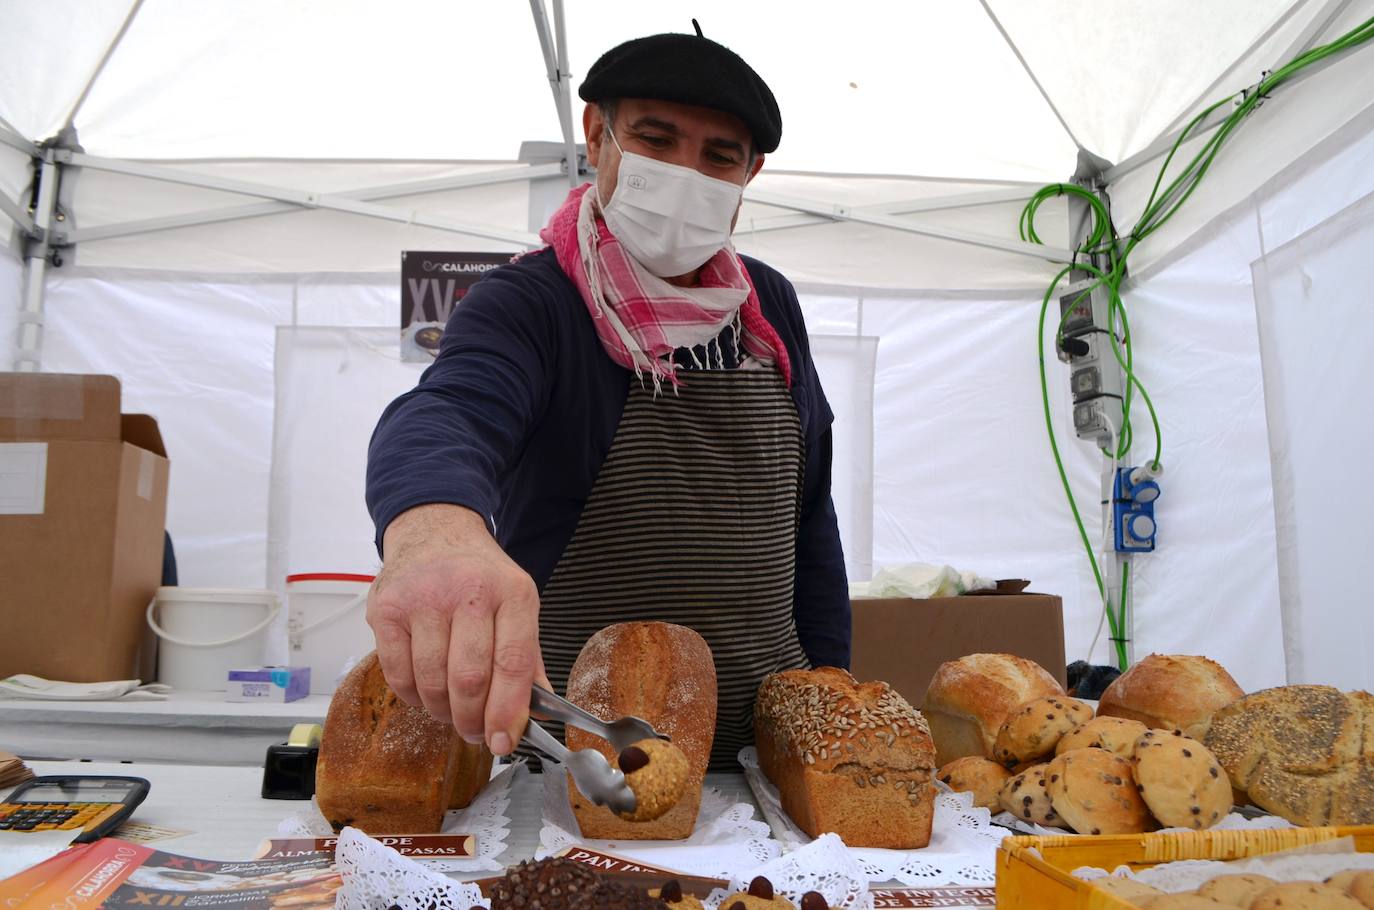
(197, 355)
(1316, 333)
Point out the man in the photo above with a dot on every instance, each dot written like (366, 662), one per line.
(624, 425)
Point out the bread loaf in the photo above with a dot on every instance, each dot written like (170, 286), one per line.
(851, 758)
(664, 674)
(388, 768)
(1171, 691)
(969, 699)
(1303, 752)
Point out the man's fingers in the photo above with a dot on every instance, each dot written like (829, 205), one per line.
(429, 633)
(516, 662)
(393, 648)
(469, 665)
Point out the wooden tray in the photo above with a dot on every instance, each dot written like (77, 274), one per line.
(1026, 881)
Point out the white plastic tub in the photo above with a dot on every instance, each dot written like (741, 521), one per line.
(206, 632)
(327, 625)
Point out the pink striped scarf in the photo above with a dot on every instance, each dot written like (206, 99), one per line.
(640, 318)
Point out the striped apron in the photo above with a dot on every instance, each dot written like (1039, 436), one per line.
(692, 520)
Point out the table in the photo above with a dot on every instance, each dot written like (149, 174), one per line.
(228, 819)
(192, 727)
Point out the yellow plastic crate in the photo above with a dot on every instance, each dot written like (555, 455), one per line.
(1026, 881)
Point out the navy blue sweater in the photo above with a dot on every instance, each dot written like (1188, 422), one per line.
(518, 412)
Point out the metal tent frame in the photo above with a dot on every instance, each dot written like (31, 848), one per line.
(45, 236)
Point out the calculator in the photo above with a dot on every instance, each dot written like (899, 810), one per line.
(94, 805)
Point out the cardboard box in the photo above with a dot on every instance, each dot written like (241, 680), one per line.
(83, 503)
(268, 684)
(902, 641)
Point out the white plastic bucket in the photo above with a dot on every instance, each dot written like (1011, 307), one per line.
(326, 624)
(206, 632)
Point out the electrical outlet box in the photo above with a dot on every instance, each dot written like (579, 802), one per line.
(1133, 513)
(1095, 376)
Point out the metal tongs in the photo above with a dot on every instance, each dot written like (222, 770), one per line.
(598, 780)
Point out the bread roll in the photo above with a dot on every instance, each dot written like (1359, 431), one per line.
(1303, 752)
(1025, 796)
(1171, 691)
(1236, 890)
(1115, 734)
(979, 776)
(664, 674)
(1094, 791)
(1304, 895)
(1033, 730)
(851, 758)
(388, 768)
(969, 699)
(1180, 780)
(1126, 888)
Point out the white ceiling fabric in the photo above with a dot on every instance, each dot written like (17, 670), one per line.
(888, 106)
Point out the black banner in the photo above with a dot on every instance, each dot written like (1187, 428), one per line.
(432, 285)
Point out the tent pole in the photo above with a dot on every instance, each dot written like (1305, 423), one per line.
(1026, 66)
(836, 212)
(903, 207)
(555, 64)
(302, 198)
(11, 137)
(28, 356)
(565, 95)
(105, 58)
(260, 209)
(1215, 84)
(1162, 145)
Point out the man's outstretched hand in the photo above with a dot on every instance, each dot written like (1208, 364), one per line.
(457, 624)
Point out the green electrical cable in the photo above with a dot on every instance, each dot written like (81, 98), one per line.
(1159, 208)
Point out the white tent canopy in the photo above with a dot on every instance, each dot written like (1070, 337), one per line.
(248, 172)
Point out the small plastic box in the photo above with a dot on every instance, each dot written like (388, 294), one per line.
(268, 684)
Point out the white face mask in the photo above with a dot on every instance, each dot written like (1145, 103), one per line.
(670, 218)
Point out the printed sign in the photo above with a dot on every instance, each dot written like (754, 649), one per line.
(419, 846)
(934, 897)
(432, 286)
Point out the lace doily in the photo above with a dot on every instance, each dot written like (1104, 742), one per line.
(1233, 822)
(726, 841)
(963, 840)
(485, 818)
(376, 877)
(1316, 862)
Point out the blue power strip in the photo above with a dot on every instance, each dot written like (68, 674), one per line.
(1133, 513)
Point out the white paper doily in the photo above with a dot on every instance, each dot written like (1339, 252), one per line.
(963, 840)
(726, 841)
(376, 877)
(1233, 822)
(1315, 862)
(485, 818)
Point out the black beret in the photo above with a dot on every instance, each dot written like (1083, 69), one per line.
(687, 69)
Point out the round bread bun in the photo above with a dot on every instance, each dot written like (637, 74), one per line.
(1094, 791)
(1180, 780)
(1304, 895)
(1359, 885)
(1034, 728)
(1236, 890)
(968, 700)
(1025, 797)
(1115, 734)
(1184, 900)
(1128, 888)
(980, 776)
(1171, 691)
